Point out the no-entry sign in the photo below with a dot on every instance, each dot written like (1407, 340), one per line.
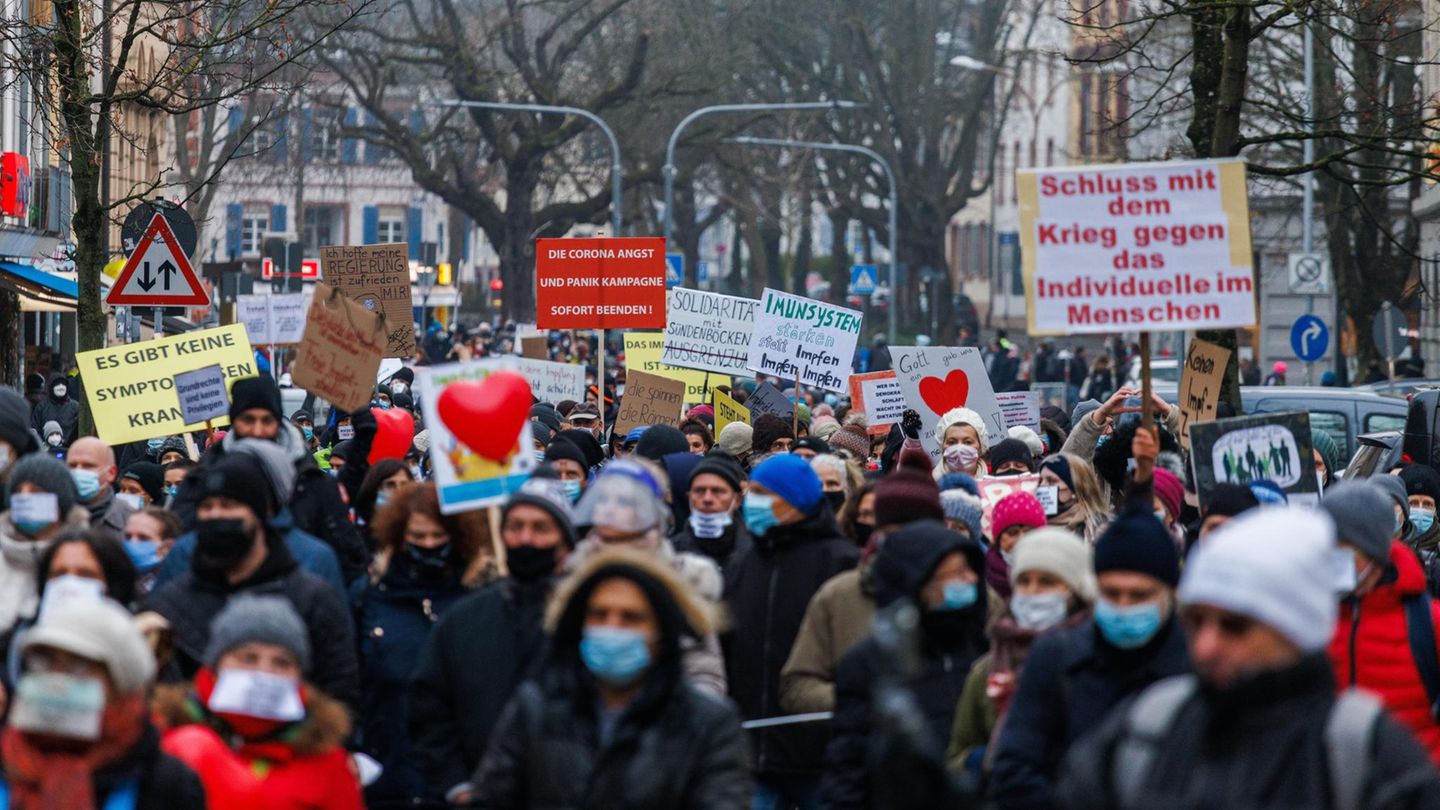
(600, 283)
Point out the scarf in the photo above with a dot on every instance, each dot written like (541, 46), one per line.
(43, 776)
(259, 738)
(1009, 645)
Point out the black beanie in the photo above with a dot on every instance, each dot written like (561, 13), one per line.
(909, 556)
(562, 448)
(254, 392)
(241, 477)
(1230, 500)
(659, 441)
(1011, 450)
(768, 428)
(588, 444)
(1137, 541)
(722, 465)
(1420, 479)
(405, 373)
(150, 478)
(15, 423)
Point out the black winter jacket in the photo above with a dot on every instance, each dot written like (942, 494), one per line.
(190, 603)
(732, 545)
(1258, 744)
(1071, 681)
(475, 657)
(64, 411)
(767, 591)
(394, 617)
(684, 751)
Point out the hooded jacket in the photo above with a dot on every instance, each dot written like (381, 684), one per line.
(837, 619)
(64, 411)
(19, 559)
(672, 748)
(305, 766)
(902, 567)
(1256, 744)
(1371, 646)
(315, 506)
(1071, 681)
(768, 591)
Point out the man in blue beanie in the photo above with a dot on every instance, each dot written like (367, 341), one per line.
(795, 542)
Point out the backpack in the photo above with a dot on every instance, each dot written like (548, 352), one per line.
(1348, 734)
(1420, 627)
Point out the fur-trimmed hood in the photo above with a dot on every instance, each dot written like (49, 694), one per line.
(325, 727)
(697, 612)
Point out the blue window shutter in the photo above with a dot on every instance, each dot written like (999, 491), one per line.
(468, 226)
(233, 214)
(277, 218)
(281, 128)
(350, 146)
(371, 225)
(417, 122)
(373, 151)
(307, 135)
(236, 120)
(413, 234)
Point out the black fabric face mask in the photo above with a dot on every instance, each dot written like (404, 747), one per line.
(836, 499)
(862, 533)
(220, 545)
(429, 562)
(530, 564)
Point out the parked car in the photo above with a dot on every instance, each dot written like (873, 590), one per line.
(1402, 387)
(1344, 413)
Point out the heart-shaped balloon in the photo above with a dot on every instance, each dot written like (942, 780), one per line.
(942, 395)
(486, 415)
(394, 431)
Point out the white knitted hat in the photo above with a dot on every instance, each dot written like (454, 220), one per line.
(962, 416)
(1060, 552)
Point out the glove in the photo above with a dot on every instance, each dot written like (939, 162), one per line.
(910, 424)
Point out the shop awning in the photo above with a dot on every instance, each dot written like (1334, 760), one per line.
(39, 291)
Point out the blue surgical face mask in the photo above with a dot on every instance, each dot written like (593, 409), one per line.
(1422, 518)
(87, 483)
(572, 489)
(1039, 611)
(759, 513)
(1128, 627)
(155, 444)
(381, 498)
(145, 554)
(172, 490)
(540, 456)
(958, 595)
(309, 433)
(614, 655)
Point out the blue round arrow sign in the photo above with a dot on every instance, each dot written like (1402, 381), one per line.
(1309, 338)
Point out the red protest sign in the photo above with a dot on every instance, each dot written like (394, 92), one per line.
(600, 283)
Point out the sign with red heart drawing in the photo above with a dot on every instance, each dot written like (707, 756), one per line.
(936, 379)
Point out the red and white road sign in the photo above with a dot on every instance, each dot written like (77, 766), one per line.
(158, 273)
(309, 269)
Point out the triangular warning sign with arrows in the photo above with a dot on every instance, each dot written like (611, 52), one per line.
(158, 273)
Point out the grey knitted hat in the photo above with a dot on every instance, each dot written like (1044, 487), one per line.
(264, 619)
(49, 475)
(1364, 516)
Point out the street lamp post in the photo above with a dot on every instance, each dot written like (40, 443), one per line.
(616, 183)
(894, 199)
(669, 169)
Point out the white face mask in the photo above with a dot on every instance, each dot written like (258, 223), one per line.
(58, 391)
(133, 501)
(70, 588)
(709, 526)
(58, 704)
(261, 695)
(961, 457)
(398, 387)
(1039, 611)
(1343, 563)
(6, 456)
(345, 432)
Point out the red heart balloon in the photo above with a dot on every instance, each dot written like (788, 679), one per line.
(942, 395)
(486, 415)
(395, 429)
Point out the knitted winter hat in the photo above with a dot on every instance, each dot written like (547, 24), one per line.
(736, 439)
(961, 506)
(908, 494)
(101, 631)
(1060, 552)
(1016, 509)
(1137, 541)
(1008, 450)
(1170, 491)
(255, 392)
(852, 438)
(46, 473)
(263, 619)
(792, 480)
(768, 428)
(1363, 516)
(962, 416)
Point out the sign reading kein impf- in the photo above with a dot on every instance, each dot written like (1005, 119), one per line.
(600, 283)
(1136, 247)
(158, 273)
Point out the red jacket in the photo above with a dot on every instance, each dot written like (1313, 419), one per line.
(1371, 648)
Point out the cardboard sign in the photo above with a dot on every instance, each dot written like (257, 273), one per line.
(463, 479)
(1136, 246)
(1272, 447)
(378, 277)
(877, 394)
(340, 355)
(649, 400)
(535, 348)
(1020, 408)
(708, 331)
(553, 382)
(643, 351)
(994, 488)
(202, 394)
(273, 320)
(1200, 380)
(766, 398)
(796, 336)
(936, 379)
(727, 410)
(131, 387)
(603, 283)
